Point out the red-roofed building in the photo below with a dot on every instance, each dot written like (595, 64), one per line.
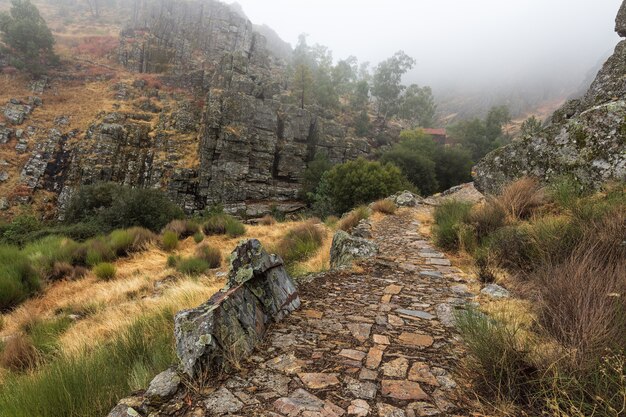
(439, 135)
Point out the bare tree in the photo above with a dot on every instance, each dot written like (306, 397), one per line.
(94, 7)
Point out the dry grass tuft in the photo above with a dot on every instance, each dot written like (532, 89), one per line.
(353, 218)
(19, 354)
(385, 207)
(267, 220)
(520, 199)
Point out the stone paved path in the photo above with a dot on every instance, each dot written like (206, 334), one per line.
(376, 342)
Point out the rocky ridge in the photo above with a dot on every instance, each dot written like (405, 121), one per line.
(586, 138)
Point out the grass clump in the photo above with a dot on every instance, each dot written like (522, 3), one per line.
(384, 207)
(211, 255)
(192, 266)
(105, 271)
(300, 243)
(520, 199)
(44, 334)
(198, 237)
(353, 218)
(91, 383)
(19, 354)
(223, 224)
(182, 228)
(448, 218)
(18, 279)
(169, 241)
(267, 220)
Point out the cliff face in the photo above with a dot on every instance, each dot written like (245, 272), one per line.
(242, 147)
(586, 138)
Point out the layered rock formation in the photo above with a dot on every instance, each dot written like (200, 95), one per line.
(228, 327)
(586, 138)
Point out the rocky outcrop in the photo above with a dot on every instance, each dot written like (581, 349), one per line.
(586, 138)
(346, 249)
(222, 331)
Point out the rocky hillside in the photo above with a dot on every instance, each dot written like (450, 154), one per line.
(585, 138)
(195, 105)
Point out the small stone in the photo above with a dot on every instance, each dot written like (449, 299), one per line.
(415, 313)
(318, 380)
(420, 372)
(396, 368)
(298, 402)
(355, 355)
(423, 409)
(395, 321)
(360, 331)
(495, 291)
(431, 274)
(222, 401)
(439, 262)
(445, 314)
(313, 314)
(380, 339)
(446, 382)
(374, 357)
(365, 390)
(163, 386)
(386, 410)
(416, 339)
(431, 255)
(359, 408)
(393, 289)
(403, 390)
(286, 363)
(368, 375)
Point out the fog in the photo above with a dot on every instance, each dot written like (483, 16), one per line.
(463, 45)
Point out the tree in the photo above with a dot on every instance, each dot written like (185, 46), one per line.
(26, 33)
(313, 175)
(497, 118)
(358, 182)
(531, 126)
(386, 83)
(344, 75)
(362, 123)
(303, 84)
(94, 7)
(418, 106)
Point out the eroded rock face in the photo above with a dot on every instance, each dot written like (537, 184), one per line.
(346, 249)
(586, 137)
(228, 326)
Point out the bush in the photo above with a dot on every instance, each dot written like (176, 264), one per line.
(96, 251)
(352, 219)
(211, 255)
(18, 278)
(358, 182)
(215, 224)
(193, 266)
(95, 380)
(500, 356)
(234, 228)
(105, 271)
(487, 218)
(17, 232)
(384, 206)
(48, 252)
(117, 207)
(300, 243)
(182, 228)
(135, 239)
(198, 237)
(520, 199)
(169, 241)
(449, 217)
(313, 175)
(514, 248)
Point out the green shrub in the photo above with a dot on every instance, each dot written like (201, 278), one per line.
(91, 383)
(193, 266)
(215, 224)
(234, 228)
(45, 334)
(116, 207)
(449, 217)
(555, 237)
(487, 218)
(313, 175)
(211, 255)
(97, 251)
(300, 243)
(172, 261)
(352, 219)
(18, 278)
(135, 239)
(17, 231)
(198, 237)
(48, 252)
(500, 357)
(105, 271)
(169, 241)
(514, 248)
(358, 182)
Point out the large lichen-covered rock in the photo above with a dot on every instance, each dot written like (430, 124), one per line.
(220, 332)
(346, 249)
(586, 138)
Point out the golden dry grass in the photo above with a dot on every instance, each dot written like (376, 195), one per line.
(143, 284)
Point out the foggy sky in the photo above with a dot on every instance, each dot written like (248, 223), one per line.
(468, 43)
